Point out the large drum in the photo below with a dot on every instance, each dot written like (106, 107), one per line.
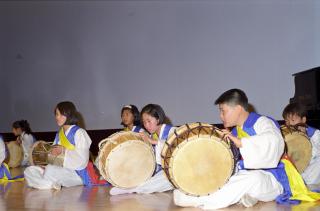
(40, 155)
(298, 146)
(196, 160)
(125, 160)
(14, 154)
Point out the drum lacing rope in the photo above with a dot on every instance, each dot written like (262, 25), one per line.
(199, 127)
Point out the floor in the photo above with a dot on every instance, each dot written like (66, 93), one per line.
(17, 196)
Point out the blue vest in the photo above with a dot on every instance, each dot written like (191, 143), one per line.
(278, 172)
(310, 131)
(164, 136)
(82, 173)
(136, 129)
(70, 135)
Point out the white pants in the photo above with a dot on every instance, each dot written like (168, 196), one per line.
(311, 174)
(51, 176)
(258, 184)
(157, 183)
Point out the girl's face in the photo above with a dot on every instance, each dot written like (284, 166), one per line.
(293, 119)
(60, 118)
(16, 131)
(150, 123)
(127, 117)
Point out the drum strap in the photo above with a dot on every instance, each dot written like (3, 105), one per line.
(5, 175)
(294, 189)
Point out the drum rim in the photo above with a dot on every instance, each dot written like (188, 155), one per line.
(111, 141)
(214, 136)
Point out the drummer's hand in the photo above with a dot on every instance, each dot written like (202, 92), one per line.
(18, 141)
(56, 150)
(145, 137)
(227, 135)
(302, 129)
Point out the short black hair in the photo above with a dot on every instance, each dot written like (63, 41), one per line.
(233, 97)
(135, 112)
(68, 109)
(155, 111)
(294, 108)
(23, 125)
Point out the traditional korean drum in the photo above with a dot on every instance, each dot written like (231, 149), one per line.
(298, 146)
(196, 160)
(125, 160)
(40, 154)
(14, 154)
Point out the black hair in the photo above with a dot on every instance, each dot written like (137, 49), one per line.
(23, 125)
(155, 111)
(68, 109)
(135, 112)
(233, 97)
(294, 108)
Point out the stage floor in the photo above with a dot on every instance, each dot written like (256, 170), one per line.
(17, 196)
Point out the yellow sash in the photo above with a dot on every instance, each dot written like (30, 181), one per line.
(154, 136)
(298, 188)
(64, 140)
(5, 179)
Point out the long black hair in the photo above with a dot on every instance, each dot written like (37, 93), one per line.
(23, 125)
(135, 112)
(68, 109)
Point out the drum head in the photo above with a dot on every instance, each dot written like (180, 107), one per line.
(130, 164)
(196, 160)
(125, 160)
(15, 154)
(201, 166)
(299, 149)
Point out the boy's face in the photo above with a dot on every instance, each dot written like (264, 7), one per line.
(229, 114)
(293, 119)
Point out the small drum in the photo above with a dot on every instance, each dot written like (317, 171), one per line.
(15, 154)
(196, 160)
(125, 160)
(298, 147)
(40, 155)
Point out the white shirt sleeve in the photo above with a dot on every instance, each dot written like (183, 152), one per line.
(26, 142)
(315, 141)
(2, 150)
(78, 158)
(264, 149)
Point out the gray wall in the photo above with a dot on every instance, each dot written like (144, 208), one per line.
(179, 54)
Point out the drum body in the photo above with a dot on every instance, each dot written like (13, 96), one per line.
(196, 160)
(125, 160)
(15, 154)
(298, 147)
(40, 155)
